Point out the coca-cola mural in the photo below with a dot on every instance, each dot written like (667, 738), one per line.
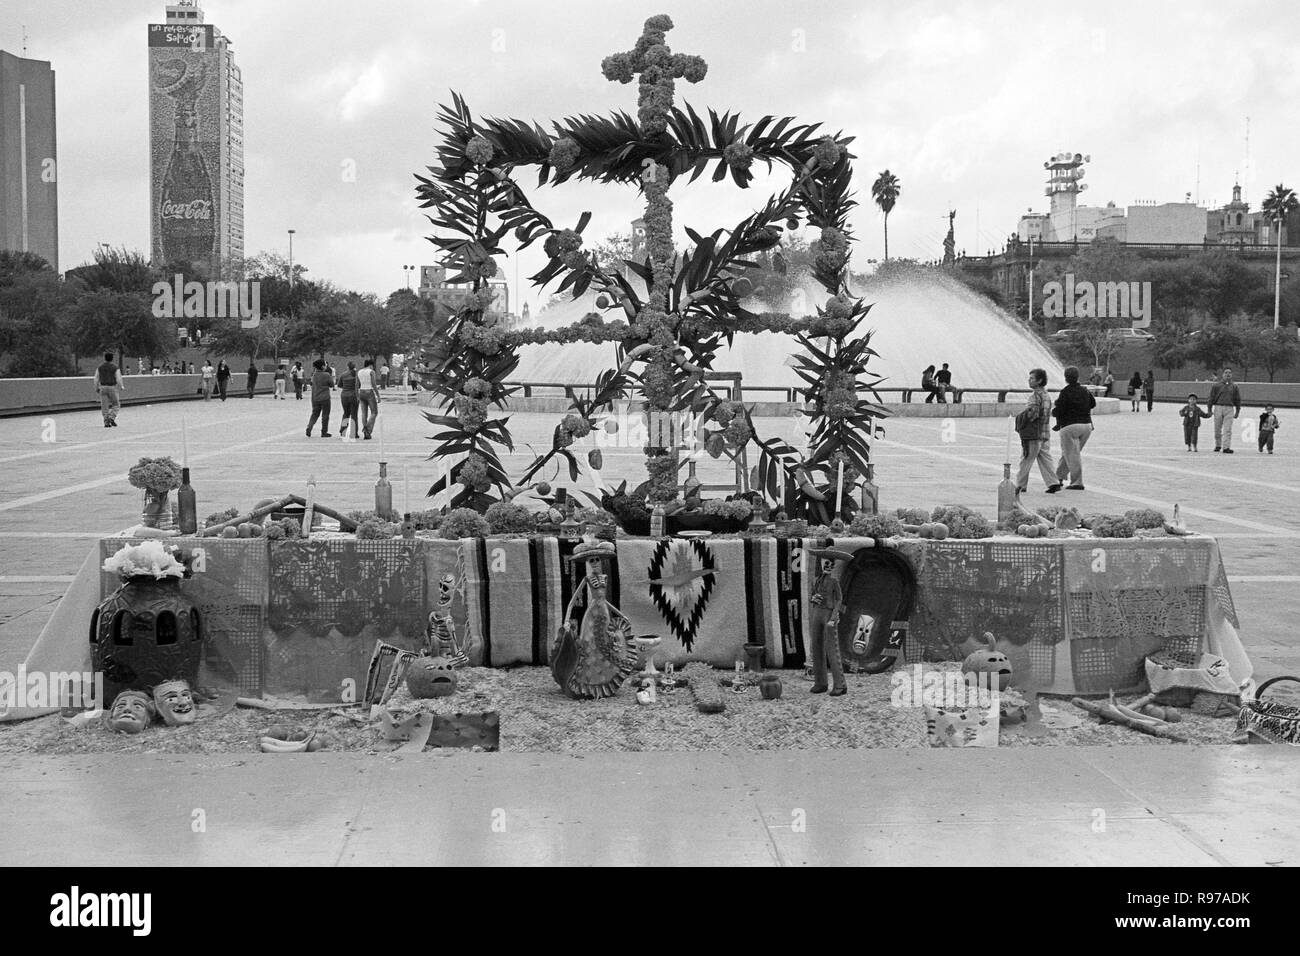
(185, 127)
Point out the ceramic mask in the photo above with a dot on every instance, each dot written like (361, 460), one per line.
(175, 703)
(131, 712)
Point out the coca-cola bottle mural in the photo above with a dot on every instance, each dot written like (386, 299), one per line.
(187, 226)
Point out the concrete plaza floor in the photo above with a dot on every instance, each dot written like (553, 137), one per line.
(65, 485)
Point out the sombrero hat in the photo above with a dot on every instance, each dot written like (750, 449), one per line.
(592, 549)
(835, 554)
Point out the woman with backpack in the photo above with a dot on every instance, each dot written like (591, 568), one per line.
(1034, 426)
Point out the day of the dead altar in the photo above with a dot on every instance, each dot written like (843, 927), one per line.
(300, 619)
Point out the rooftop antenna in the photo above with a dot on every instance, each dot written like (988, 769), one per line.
(1198, 173)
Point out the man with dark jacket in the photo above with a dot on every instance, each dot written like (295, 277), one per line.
(321, 383)
(1073, 414)
(1225, 406)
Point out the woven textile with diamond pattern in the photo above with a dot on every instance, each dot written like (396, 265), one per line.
(293, 618)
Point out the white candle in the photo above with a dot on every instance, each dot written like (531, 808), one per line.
(780, 484)
(406, 489)
(382, 457)
(839, 489)
(1011, 427)
(185, 445)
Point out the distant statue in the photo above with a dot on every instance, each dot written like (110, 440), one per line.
(950, 243)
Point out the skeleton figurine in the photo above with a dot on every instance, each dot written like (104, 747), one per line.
(593, 659)
(824, 620)
(440, 637)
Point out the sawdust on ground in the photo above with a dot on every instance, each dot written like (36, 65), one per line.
(536, 717)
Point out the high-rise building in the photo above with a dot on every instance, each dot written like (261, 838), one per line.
(29, 187)
(196, 152)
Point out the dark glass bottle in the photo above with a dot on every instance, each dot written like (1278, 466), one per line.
(187, 507)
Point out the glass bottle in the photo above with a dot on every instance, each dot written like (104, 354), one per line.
(188, 508)
(384, 493)
(1006, 494)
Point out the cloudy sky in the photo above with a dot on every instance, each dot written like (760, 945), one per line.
(963, 101)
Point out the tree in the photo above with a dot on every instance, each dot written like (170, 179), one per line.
(273, 332)
(34, 310)
(375, 330)
(227, 336)
(1280, 203)
(116, 270)
(319, 326)
(611, 251)
(1216, 347)
(124, 322)
(1169, 350)
(885, 191)
(1273, 349)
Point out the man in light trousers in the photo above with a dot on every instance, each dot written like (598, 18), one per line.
(1225, 406)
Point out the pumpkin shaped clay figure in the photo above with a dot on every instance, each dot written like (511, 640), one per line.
(431, 677)
(988, 660)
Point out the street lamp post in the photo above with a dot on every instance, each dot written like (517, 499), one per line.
(1277, 280)
(291, 232)
(1031, 281)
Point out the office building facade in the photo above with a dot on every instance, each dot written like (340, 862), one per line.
(29, 179)
(196, 150)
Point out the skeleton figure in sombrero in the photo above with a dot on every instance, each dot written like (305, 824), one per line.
(824, 621)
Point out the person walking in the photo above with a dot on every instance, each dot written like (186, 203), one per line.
(348, 398)
(223, 378)
(321, 383)
(1135, 390)
(109, 386)
(1034, 425)
(383, 375)
(296, 375)
(1073, 413)
(209, 379)
(368, 396)
(1149, 388)
(281, 378)
(1225, 406)
(252, 378)
(1268, 424)
(1191, 414)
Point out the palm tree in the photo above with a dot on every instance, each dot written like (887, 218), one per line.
(885, 191)
(1277, 205)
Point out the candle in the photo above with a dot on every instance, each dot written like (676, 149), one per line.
(437, 477)
(382, 456)
(780, 483)
(839, 489)
(185, 445)
(406, 489)
(1011, 427)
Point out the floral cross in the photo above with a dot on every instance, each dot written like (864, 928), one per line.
(657, 66)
